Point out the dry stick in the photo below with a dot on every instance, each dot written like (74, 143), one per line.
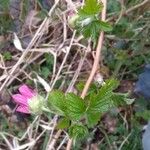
(95, 65)
(64, 60)
(29, 46)
(57, 135)
(76, 73)
(69, 67)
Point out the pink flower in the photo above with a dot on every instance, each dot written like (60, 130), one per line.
(22, 99)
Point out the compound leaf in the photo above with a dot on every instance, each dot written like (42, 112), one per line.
(75, 106)
(102, 102)
(91, 7)
(78, 131)
(56, 102)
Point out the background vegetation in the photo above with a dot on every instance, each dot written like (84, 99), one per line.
(54, 51)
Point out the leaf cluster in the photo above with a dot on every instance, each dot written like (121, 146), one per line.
(88, 22)
(80, 114)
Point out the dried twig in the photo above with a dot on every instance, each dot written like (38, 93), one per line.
(35, 38)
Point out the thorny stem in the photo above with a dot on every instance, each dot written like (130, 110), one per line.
(95, 64)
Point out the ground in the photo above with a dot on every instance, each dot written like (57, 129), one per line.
(36, 40)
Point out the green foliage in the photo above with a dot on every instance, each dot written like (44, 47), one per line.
(104, 26)
(92, 27)
(45, 71)
(63, 123)
(88, 22)
(56, 102)
(4, 5)
(133, 138)
(75, 106)
(124, 29)
(47, 68)
(91, 7)
(102, 102)
(78, 131)
(113, 6)
(88, 111)
(80, 86)
(42, 14)
(5, 19)
(121, 99)
(7, 56)
(92, 118)
(144, 114)
(136, 53)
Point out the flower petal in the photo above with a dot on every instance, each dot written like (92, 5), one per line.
(23, 109)
(20, 99)
(26, 91)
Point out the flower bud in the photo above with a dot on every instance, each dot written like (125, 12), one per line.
(36, 104)
(72, 20)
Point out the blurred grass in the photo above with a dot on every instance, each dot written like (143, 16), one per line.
(5, 19)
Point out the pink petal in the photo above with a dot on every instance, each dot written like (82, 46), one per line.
(20, 99)
(26, 91)
(23, 109)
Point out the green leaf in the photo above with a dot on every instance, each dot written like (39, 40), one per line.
(75, 106)
(144, 114)
(78, 131)
(45, 72)
(88, 22)
(92, 118)
(102, 102)
(105, 26)
(91, 7)
(120, 99)
(7, 56)
(63, 123)
(109, 85)
(49, 60)
(81, 85)
(56, 102)
(91, 30)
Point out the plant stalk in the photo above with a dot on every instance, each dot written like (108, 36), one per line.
(95, 64)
